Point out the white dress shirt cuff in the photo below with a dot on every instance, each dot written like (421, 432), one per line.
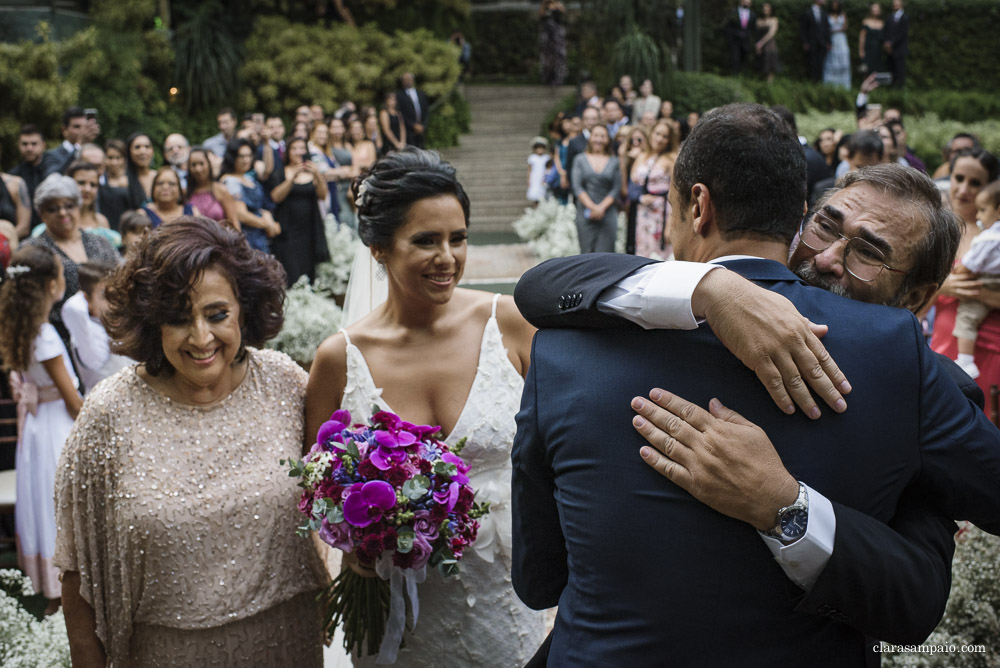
(805, 559)
(657, 295)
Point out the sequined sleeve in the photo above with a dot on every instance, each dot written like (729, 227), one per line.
(84, 483)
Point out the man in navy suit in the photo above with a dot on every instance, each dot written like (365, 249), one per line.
(414, 107)
(814, 30)
(897, 42)
(74, 127)
(641, 571)
(741, 25)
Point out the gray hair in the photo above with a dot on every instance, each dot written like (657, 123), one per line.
(935, 252)
(56, 186)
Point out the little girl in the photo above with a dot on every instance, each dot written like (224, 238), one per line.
(982, 259)
(538, 164)
(46, 388)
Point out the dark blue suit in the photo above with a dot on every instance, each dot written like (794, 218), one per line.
(646, 575)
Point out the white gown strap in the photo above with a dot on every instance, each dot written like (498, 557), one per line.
(496, 298)
(346, 337)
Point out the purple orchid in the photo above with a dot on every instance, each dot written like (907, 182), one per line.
(332, 430)
(447, 497)
(366, 503)
(462, 467)
(391, 448)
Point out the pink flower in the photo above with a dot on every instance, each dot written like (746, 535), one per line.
(332, 430)
(447, 497)
(462, 467)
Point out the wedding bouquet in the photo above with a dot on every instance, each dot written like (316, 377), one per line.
(399, 500)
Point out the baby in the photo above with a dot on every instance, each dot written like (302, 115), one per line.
(983, 259)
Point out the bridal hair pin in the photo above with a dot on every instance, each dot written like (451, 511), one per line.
(362, 189)
(17, 270)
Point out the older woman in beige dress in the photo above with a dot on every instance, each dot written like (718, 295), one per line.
(176, 523)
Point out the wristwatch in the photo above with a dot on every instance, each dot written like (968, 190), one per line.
(792, 520)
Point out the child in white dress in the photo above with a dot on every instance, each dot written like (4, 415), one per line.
(46, 389)
(538, 164)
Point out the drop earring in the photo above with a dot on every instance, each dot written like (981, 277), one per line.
(380, 272)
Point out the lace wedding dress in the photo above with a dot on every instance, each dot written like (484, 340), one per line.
(474, 618)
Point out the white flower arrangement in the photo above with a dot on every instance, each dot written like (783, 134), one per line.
(27, 642)
(550, 230)
(310, 317)
(972, 616)
(331, 277)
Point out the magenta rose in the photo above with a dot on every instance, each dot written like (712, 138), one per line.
(337, 535)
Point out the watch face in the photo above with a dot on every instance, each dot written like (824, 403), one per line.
(793, 523)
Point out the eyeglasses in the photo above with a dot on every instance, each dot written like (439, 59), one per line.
(861, 259)
(56, 208)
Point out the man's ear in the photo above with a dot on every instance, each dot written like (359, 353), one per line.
(919, 298)
(702, 210)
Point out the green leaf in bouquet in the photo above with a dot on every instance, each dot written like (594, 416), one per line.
(315, 524)
(296, 467)
(479, 509)
(417, 487)
(442, 467)
(404, 540)
(322, 507)
(352, 449)
(458, 447)
(335, 515)
(302, 531)
(448, 567)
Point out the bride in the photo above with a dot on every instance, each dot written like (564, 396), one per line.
(437, 354)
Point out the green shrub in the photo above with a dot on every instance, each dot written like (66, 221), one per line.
(292, 63)
(950, 41)
(505, 42)
(701, 92)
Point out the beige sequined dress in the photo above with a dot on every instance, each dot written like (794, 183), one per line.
(181, 522)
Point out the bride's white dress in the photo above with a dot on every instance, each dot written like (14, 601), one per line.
(474, 618)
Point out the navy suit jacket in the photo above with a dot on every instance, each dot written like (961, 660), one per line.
(56, 160)
(644, 573)
(898, 33)
(408, 111)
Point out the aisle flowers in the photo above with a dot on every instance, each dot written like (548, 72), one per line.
(398, 499)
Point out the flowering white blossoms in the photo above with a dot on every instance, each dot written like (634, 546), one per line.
(26, 642)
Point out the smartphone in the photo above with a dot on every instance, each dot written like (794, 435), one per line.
(90, 113)
(883, 78)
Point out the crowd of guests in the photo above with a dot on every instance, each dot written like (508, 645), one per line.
(883, 42)
(72, 215)
(615, 154)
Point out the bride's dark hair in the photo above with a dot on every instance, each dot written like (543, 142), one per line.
(385, 192)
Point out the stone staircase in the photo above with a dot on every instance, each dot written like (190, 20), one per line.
(492, 166)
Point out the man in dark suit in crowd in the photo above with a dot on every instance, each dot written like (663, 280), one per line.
(816, 38)
(74, 127)
(591, 551)
(578, 144)
(897, 42)
(414, 107)
(740, 28)
(31, 145)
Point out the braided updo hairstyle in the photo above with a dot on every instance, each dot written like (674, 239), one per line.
(386, 191)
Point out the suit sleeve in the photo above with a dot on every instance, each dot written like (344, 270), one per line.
(546, 295)
(539, 571)
(889, 581)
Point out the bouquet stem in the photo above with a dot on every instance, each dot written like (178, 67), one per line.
(362, 605)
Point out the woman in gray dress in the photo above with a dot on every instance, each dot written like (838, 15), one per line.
(596, 181)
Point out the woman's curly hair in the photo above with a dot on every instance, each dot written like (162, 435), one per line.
(154, 285)
(23, 303)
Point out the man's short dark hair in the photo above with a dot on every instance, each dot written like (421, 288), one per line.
(226, 111)
(31, 129)
(754, 168)
(865, 142)
(612, 100)
(935, 253)
(70, 114)
(965, 135)
(787, 116)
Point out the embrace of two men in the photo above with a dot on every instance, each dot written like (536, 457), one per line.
(751, 536)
